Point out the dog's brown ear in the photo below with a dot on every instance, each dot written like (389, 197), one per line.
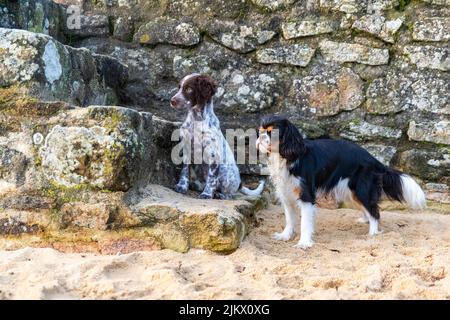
(206, 87)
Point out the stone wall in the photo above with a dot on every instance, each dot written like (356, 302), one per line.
(371, 71)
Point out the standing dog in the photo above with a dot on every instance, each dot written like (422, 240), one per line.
(302, 169)
(215, 169)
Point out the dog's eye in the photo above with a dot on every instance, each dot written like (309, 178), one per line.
(188, 90)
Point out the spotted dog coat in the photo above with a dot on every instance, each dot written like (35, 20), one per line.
(212, 161)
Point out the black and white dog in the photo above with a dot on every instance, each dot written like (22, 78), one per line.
(215, 170)
(302, 169)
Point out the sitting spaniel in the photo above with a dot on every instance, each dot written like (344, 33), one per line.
(206, 150)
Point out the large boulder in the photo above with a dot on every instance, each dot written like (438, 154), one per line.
(51, 71)
(99, 148)
(109, 223)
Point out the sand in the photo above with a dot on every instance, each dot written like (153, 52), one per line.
(409, 260)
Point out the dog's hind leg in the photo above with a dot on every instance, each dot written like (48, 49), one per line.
(367, 193)
(364, 218)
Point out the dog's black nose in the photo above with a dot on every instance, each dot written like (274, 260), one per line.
(173, 101)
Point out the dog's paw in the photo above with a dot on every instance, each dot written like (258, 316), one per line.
(181, 188)
(304, 244)
(374, 233)
(286, 235)
(205, 196)
(362, 220)
(222, 196)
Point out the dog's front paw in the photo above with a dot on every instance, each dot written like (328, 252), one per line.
(181, 188)
(286, 235)
(304, 244)
(204, 195)
(373, 233)
(362, 220)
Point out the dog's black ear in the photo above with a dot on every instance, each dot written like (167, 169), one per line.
(291, 145)
(206, 87)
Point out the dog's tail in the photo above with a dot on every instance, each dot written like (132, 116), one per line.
(254, 193)
(401, 187)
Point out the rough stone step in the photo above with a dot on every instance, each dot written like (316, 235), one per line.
(150, 218)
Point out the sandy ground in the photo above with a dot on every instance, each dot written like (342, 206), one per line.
(410, 260)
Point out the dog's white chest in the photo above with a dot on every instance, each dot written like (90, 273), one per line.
(287, 186)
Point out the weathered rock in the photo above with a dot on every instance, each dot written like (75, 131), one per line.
(7, 19)
(417, 91)
(328, 92)
(10, 227)
(80, 218)
(378, 26)
(354, 6)
(213, 224)
(438, 2)
(103, 148)
(242, 38)
(248, 92)
(167, 30)
(79, 155)
(382, 153)
(123, 28)
(428, 165)
(273, 5)
(352, 52)
(198, 64)
(296, 55)
(429, 57)
(304, 28)
(92, 216)
(432, 29)
(147, 69)
(362, 131)
(347, 6)
(41, 16)
(103, 155)
(51, 71)
(436, 132)
(201, 11)
(12, 169)
(438, 192)
(24, 202)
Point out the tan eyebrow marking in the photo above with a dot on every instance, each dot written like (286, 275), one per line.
(263, 130)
